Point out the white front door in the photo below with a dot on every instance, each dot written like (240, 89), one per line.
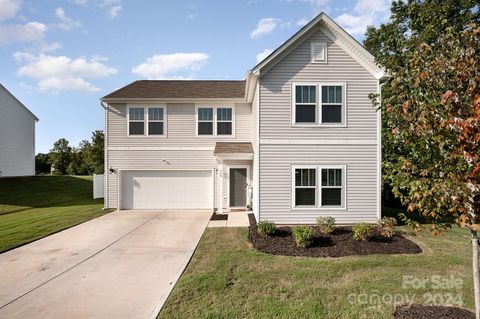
(167, 189)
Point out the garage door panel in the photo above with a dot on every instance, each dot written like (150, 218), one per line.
(167, 189)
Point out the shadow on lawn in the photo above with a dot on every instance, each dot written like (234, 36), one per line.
(20, 193)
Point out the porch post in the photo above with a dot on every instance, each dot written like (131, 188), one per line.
(220, 185)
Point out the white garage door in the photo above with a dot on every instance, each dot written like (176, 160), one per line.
(167, 189)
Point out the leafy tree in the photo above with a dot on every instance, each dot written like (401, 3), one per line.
(96, 157)
(434, 122)
(60, 156)
(412, 22)
(42, 164)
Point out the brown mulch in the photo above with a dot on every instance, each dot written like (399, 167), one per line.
(416, 311)
(216, 216)
(338, 244)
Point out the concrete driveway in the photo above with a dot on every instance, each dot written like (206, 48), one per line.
(121, 265)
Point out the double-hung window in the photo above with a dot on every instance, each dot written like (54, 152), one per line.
(318, 187)
(155, 121)
(146, 121)
(205, 121)
(136, 121)
(224, 121)
(305, 187)
(305, 104)
(215, 121)
(319, 104)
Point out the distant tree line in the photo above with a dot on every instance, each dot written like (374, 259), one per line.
(63, 159)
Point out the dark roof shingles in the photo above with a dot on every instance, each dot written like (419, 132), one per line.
(231, 147)
(180, 89)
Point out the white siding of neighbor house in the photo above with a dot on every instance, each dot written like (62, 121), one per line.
(17, 137)
(282, 145)
(181, 148)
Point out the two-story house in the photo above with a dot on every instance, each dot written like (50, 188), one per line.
(298, 138)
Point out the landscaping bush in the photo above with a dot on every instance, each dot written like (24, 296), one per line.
(362, 231)
(266, 228)
(303, 235)
(326, 224)
(386, 227)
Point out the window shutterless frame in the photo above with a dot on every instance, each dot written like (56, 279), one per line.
(319, 104)
(318, 194)
(146, 120)
(215, 107)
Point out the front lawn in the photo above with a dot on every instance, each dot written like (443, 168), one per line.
(37, 206)
(227, 278)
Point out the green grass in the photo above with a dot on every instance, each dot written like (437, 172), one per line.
(35, 207)
(226, 278)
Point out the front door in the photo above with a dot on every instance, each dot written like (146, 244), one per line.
(238, 189)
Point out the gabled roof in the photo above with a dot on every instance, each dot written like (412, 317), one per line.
(335, 33)
(18, 101)
(181, 89)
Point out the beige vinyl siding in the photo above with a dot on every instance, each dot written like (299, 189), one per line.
(133, 153)
(282, 145)
(276, 182)
(17, 138)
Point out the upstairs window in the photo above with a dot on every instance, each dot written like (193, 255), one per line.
(305, 103)
(319, 104)
(215, 121)
(224, 121)
(155, 121)
(332, 103)
(205, 121)
(318, 52)
(136, 121)
(146, 121)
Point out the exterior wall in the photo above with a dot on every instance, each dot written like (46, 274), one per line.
(282, 145)
(17, 138)
(256, 158)
(181, 148)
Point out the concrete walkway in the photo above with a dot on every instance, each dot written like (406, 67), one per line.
(121, 265)
(235, 219)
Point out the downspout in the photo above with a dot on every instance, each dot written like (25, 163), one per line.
(381, 82)
(105, 156)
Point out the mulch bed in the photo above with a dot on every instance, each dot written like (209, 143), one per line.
(339, 244)
(416, 311)
(216, 216)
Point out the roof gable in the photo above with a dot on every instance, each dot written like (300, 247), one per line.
(335, 33)
(18, 102)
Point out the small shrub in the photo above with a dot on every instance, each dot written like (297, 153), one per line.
(303, 235)
(326, 224)
(362, 231)
(386, 227)
(266, 228)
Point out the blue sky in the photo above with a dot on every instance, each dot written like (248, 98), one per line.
(60, 57)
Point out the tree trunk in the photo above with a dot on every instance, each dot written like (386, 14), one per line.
(476, 273)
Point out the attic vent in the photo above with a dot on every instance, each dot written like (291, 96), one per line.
(319, 52)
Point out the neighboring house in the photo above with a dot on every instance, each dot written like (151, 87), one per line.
(297, 139)
(17, 136)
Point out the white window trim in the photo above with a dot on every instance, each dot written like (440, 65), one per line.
(318, 192)
(312, 52)
(215, 107)
(146, 121)
(294, 186)
(318, 109)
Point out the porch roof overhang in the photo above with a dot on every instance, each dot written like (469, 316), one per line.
(233, 150)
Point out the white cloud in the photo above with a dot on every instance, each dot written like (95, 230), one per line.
(264, 27)
(113, 7)
(114, 11)
(302, 22)
(365, 13)
(80, 2)
(263, 55)
(32, 31)
(163, 66)
(66, 23)
(61, 73)
(9, 8)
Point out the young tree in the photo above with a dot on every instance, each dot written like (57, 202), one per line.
(97, 152)
(42, 164)
(60, 156)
